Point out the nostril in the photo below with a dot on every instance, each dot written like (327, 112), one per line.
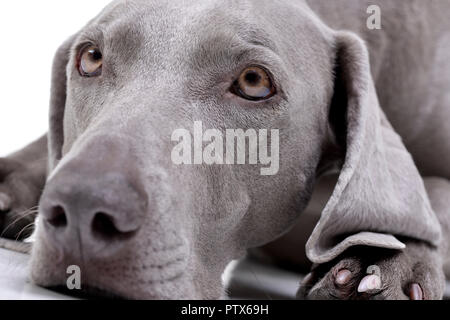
(58, 217)
(103, 226)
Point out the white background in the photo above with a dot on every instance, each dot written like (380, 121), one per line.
(30, 33)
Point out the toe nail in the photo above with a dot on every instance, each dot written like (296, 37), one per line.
(307, 278)
(372, 282)
(415, 292)
(5, 202)
(343, 277)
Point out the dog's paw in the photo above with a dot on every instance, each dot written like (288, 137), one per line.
(20, 189)
(415, 273)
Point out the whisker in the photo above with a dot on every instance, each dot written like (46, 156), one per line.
(30, 225)
(21, 216)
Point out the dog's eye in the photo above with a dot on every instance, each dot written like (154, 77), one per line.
(90, 61)
(254, 84)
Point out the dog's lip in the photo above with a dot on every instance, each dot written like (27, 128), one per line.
(87, 293)
(101, 289)
(166, 268)
(93, 292)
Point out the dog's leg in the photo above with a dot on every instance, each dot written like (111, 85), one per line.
(22, 179)
(414, 273)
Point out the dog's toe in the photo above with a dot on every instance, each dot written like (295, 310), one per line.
(415, 274)
(336, 283)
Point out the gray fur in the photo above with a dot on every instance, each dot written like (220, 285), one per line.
(168, 64)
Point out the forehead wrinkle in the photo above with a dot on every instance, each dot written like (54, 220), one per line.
(231, 33)
(258, 37)
(246, 21)
(224, 47)
(92, 34)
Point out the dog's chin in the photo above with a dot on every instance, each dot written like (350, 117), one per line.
(157, 292)
(87, 293)
(178, 287)
(138, 273)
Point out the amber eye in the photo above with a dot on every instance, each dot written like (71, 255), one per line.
(90, 61)
(254, 84)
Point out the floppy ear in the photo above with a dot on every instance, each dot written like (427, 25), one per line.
(58, 102)
(380, 194)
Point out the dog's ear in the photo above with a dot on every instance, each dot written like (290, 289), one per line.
(58, 101)
(380, 194)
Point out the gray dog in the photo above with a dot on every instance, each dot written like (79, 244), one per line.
(140, 226)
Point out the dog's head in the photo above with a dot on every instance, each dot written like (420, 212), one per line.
(122, 201)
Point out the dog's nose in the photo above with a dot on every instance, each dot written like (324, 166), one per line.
(96, 209)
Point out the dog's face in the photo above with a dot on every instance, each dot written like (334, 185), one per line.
(139, 225)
